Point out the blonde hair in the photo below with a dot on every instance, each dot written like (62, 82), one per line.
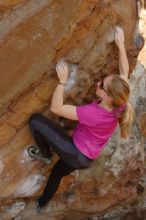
(119, 91)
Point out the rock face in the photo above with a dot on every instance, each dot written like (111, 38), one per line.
(33, 36)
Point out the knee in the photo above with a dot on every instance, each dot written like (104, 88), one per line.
(33, 118)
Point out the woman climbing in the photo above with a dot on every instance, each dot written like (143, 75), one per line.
(97, 122)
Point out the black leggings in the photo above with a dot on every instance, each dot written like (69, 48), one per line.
(48, 135)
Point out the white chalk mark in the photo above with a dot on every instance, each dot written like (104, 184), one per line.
(30, 185)
(15, 208)
(72, 79)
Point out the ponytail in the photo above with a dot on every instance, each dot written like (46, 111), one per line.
(118, 90)
(125, 120)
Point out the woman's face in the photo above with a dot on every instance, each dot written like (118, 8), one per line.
(102, 85)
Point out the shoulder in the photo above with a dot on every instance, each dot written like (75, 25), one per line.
(87, 106)
(87, 114)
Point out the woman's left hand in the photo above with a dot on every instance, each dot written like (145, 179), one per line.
(62, 71)
(119, 36)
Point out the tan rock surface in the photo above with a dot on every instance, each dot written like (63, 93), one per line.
(142, 124)
(142, 26)
(33, 36)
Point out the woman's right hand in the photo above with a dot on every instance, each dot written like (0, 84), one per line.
(119, 36)
(62, 71)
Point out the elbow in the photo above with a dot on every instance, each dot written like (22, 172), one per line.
(54, 110)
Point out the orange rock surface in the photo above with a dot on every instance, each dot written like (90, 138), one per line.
(34, 35)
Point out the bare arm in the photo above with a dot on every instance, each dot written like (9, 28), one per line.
(57, 106)
(123, 63)
(123, 60)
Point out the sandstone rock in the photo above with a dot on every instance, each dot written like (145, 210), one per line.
(142, 124)
(33, 36)
(142, 26)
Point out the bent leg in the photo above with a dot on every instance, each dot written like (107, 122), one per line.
(59, 170)
(38, 137)
(57, 140)
(42, 144)
(47, 134)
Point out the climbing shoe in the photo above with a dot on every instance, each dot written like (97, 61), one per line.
(38, 208)
(35, 153)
